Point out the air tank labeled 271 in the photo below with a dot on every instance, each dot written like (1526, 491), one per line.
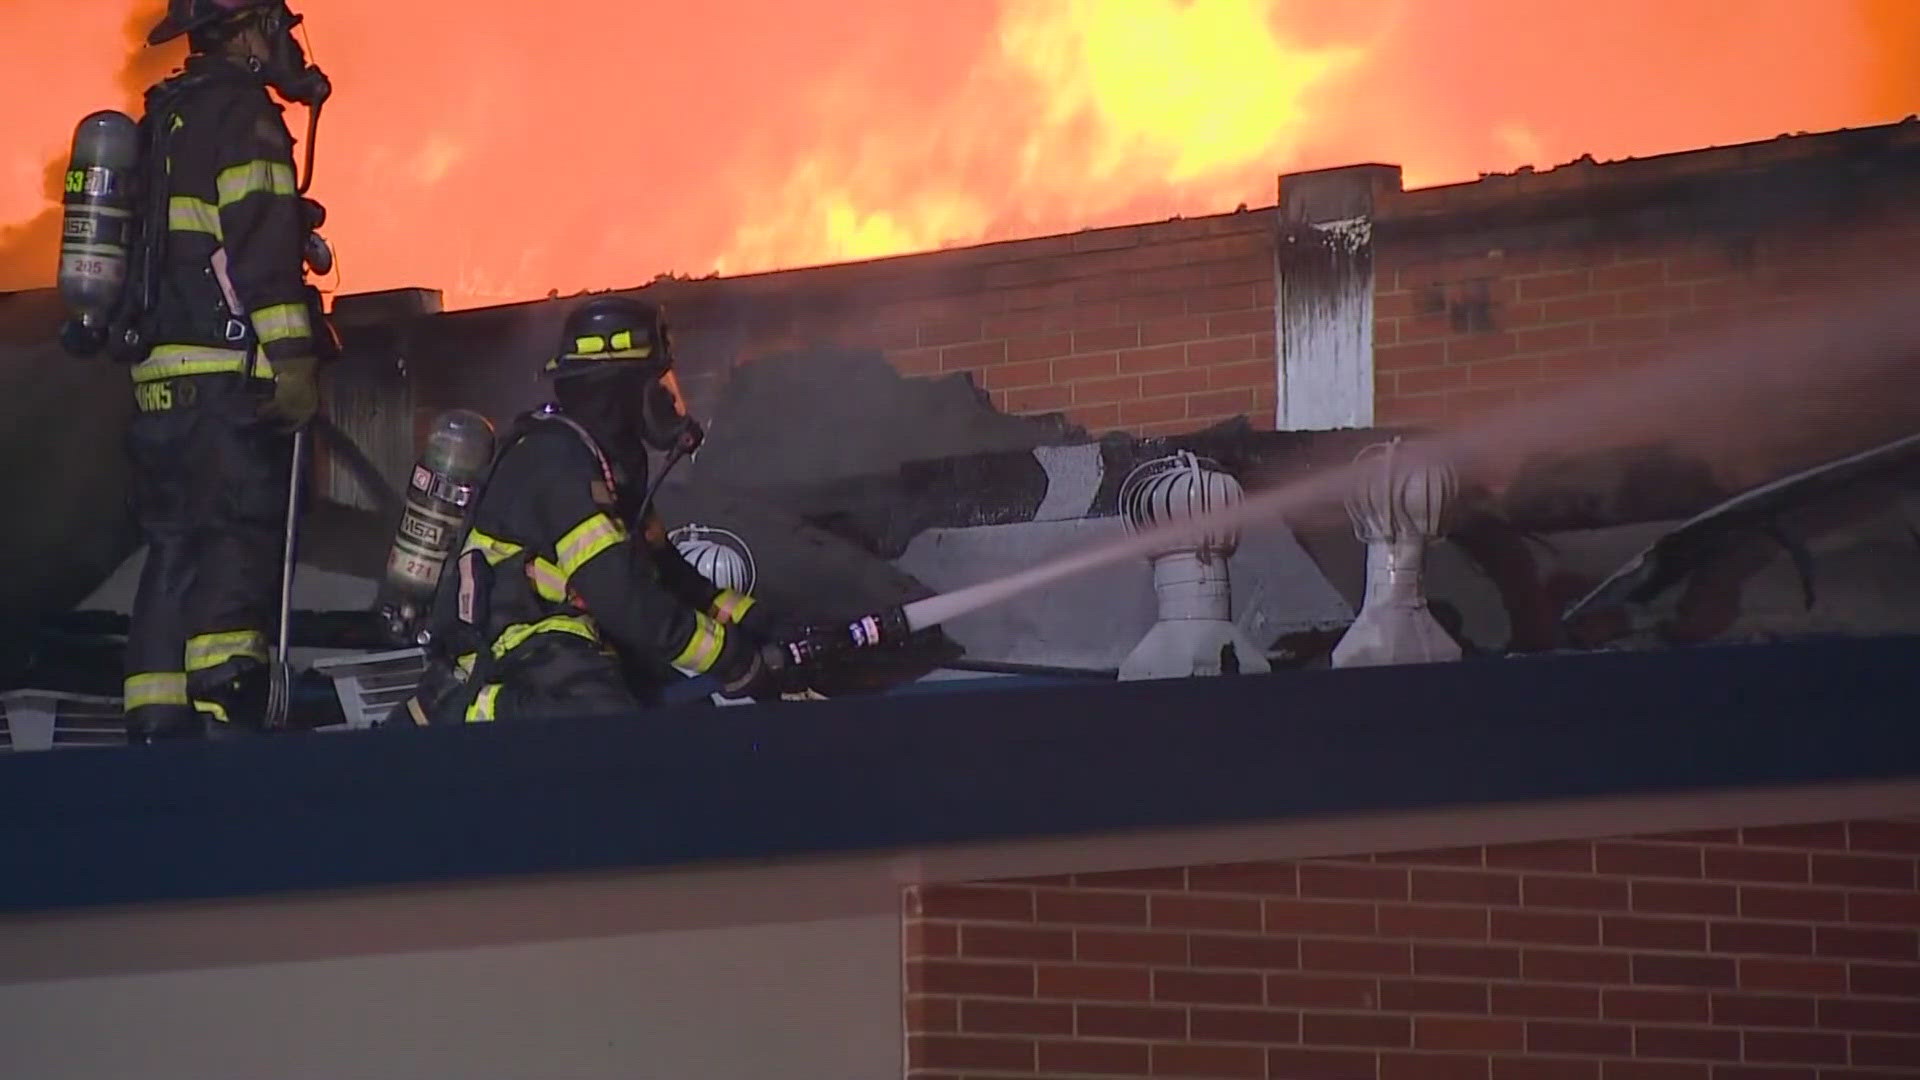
(441, 492)
(101, 227)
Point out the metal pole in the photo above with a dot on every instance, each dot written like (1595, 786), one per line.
(279, 698)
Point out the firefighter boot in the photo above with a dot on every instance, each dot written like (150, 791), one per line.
(233, 696)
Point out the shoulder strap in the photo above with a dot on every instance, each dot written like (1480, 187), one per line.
(593, 447)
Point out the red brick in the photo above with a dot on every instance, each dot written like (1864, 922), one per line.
(1093, 983)
(1520, 369)
(1015, 1018)
(959, 1052)
(1393, 303)
(1630, 932)
(1892, 836)
(1417, 411)
(1690, 266)
(1579, 307)
(1087, 1056)
(1155, 410)
(970, 902)
(1769, 1072)
(1429, 354)
(1096, 365)
(1266, 878)
(1187, 1059)
(1566, 1037)
(1460, 856)
(1131, 1021)
(1898, 980)
(1679, 898)
(1627, 275)
(1121, 947)
(1376, 957)
(1735, 864)
(1353, 882)
(1658, 1006)
(1546, 339)
(1208, 950)
(924, 1014)
(1648, 860)
(1575, 966)
(1008, 376)
(1656, 299)
(1038, 399)
(1208, 987)
(1559, 1002)
(1763, 1010)
(1710, 1044)
(1355, 1029)
(1655, 1070)
(1762, 902)
(1183, 381)
(1805, 975)
(1545, 286)
(1015, 943)
(913, 363)
(1319, 917)
(1106, 339)
(1886, 1051)
(1434, 996)
(1863, 871)
(1253, 321)
(932, 939)
(1775, 939)
(1844, 1014)
(1078, 906)
(1321, 991)
(953, 332)
(1251, 373)
(1434, 923)
(1433, 1067)
(1433, 381)
(1568, 855)
(951, 977)
(1204, 912)
(1246, 1025)
(1090, 316)
(1221, 298)
(1824, 835)
(1546, 1068)
(1652, 969)
(1461, 1033)
(1425, 328)
(1295, 1064)
(1219, 403)
(1176, 330)
(1546, 927)
(1470, 961)
(1899, 909)
(1220, 351)
(1796, 1046)
(1465, 887)
(1625, 329)
(1586, 894)
(1480, 347)
(1039, 347)
(1102, 391)
(1865, 944)
(1156, 358)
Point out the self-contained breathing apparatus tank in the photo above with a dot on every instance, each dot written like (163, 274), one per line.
(445, 483)
(101, 199)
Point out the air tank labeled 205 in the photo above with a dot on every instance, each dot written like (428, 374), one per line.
(440, 494)
(101, 225)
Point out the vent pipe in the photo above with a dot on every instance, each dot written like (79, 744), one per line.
(1195, 634)
(1400, 504)
(720, 555)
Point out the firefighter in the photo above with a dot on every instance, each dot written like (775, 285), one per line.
(566, 592)
(229, 375)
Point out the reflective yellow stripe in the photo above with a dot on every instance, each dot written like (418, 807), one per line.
(211, 650)
(211, 708)
(590, 344)
(548, 582)
(640, 353)
(254, 178)
(174, 361)
(281, 322)
(622, 340)
(703, 648)
(516, 635)
(482, 709)
(731, 606)
(155, 688)
(585, 540)
(466, 662)
(188, 214)
(496, 551)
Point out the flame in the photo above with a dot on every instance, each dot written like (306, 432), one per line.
(501, 156)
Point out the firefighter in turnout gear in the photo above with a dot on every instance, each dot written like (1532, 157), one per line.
(234, 335)
(566, 592)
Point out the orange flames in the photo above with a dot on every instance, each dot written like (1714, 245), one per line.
(501, 150)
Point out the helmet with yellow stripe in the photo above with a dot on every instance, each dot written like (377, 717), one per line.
(613, 330)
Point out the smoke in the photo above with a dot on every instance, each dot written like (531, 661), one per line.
(29, 251)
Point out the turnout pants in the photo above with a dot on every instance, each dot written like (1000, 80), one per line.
(553, 676)
(210, 494)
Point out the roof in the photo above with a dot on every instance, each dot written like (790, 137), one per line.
(384, 808)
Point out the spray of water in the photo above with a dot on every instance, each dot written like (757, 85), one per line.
(1734, 396)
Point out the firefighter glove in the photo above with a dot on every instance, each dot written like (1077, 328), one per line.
(296, 392)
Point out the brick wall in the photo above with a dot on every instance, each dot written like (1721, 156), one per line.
(1788, 953)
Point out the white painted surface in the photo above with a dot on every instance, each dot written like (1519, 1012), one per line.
(1325, 351)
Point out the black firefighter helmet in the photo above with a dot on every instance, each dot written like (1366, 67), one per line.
(625, 340)
(186, 16)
